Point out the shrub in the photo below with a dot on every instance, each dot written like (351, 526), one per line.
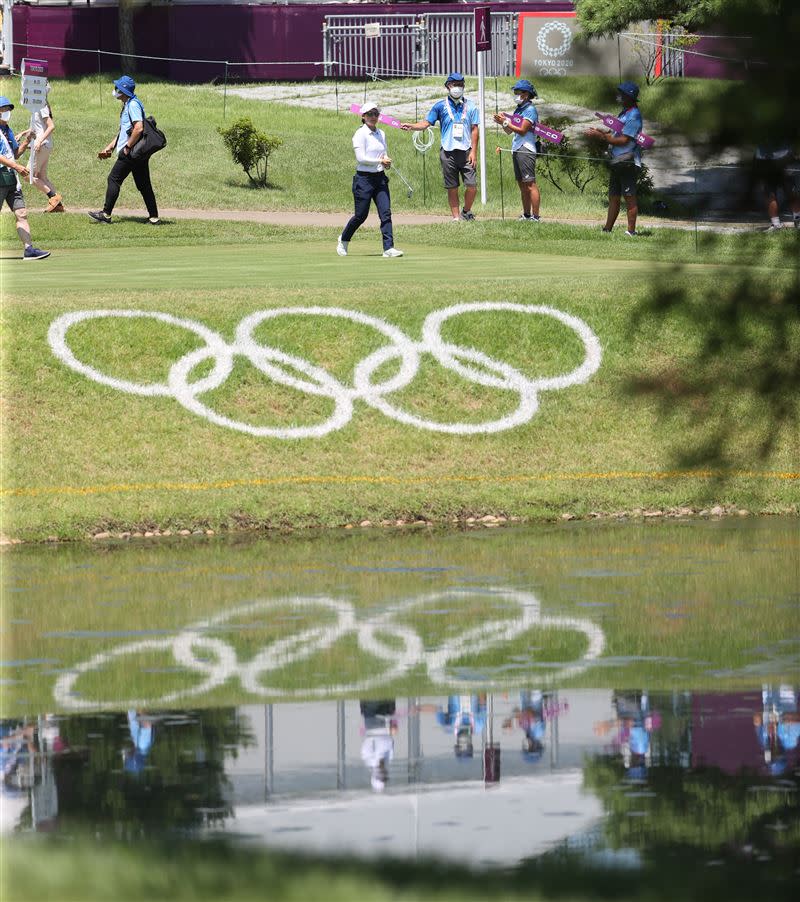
(250, 149)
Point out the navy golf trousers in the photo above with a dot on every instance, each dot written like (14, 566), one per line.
(369, 186)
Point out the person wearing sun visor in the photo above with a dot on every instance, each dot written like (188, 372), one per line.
(458, 119)
(370, 182)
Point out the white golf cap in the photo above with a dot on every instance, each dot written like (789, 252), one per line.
(369, 105)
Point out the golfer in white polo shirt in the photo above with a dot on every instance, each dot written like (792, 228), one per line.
(370, 183)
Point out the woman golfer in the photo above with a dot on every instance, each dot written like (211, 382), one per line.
(370, 182)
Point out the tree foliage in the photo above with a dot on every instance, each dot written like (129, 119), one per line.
(604, 17)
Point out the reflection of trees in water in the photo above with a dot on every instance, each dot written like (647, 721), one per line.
(181, 786)
(706, 812)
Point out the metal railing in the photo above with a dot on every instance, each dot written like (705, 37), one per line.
(414, 46)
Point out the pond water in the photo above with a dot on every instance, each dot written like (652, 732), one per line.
(609, 694)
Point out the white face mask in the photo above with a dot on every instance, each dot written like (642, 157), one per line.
(6, 115)
(117, 95)
(519, 98)
(456, 92)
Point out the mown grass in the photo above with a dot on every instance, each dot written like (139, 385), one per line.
(312, 169)
(63, 430)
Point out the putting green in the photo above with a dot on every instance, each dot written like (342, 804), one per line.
(296, 264)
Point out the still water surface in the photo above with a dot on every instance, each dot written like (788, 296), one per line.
(599, 691)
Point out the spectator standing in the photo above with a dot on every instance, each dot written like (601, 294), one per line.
(370, 183)
(10, 189)
(41, 132)
(524, 147)
(626, 158)
(131, 126)
(458, 119)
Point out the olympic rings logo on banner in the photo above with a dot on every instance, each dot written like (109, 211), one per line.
(216, 663)
(542, 39)
(297, 373)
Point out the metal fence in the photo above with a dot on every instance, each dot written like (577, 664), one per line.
(432, 44)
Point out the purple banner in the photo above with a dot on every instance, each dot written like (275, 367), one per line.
(199, 40)
(543, 131)
(616, 126)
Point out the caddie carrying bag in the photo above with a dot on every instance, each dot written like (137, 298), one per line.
(151, 141)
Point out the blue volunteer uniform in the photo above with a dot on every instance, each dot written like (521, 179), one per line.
(632, 122)
(455, 119)
(527, 141)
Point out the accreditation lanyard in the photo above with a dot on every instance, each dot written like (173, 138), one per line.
(458, 124)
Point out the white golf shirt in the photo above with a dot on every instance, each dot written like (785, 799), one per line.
(369, 147)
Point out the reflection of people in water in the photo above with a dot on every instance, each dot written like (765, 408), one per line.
(464, 715)
(142, 735)
(635, 723)
(535, 709)
(377, 749)
(16, 749)
(778, 726)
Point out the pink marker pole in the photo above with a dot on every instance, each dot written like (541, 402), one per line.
(543, 131)
(386, 120)
(616, 126)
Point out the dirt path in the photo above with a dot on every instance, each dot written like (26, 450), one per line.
(311, 218)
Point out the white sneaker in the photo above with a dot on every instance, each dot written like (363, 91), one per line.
(341, 247)
(631, 234)
(392, 252)
(772, 228)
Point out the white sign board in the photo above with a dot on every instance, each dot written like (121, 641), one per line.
(34, 84)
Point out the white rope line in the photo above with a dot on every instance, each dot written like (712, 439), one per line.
(176, 59)
(687, 34)
(712, 56)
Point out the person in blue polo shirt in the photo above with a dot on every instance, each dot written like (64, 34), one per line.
(458, 119)
(523, 147)
(10, 189)
(626, 158)
(131, 126)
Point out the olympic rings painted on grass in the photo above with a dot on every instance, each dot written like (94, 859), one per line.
(218, 663)
(303, 376)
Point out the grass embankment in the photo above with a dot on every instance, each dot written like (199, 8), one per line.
(175, 870)
(312, 169)
(84, 457)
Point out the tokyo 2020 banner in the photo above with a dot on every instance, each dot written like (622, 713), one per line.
(552, 44)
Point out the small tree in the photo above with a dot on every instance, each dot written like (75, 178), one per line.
(250, 149)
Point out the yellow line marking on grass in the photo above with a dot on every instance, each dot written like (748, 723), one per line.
(119, 488)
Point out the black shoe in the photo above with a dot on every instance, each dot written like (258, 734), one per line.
(468, 215)
(99, 216)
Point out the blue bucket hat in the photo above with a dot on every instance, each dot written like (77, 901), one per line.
(454, 76)
(524, 85)
(4, 101)
(629, 88)
(125, 85)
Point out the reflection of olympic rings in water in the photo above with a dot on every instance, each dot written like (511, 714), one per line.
(423, 141)
(297, 373)
(215, 660)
